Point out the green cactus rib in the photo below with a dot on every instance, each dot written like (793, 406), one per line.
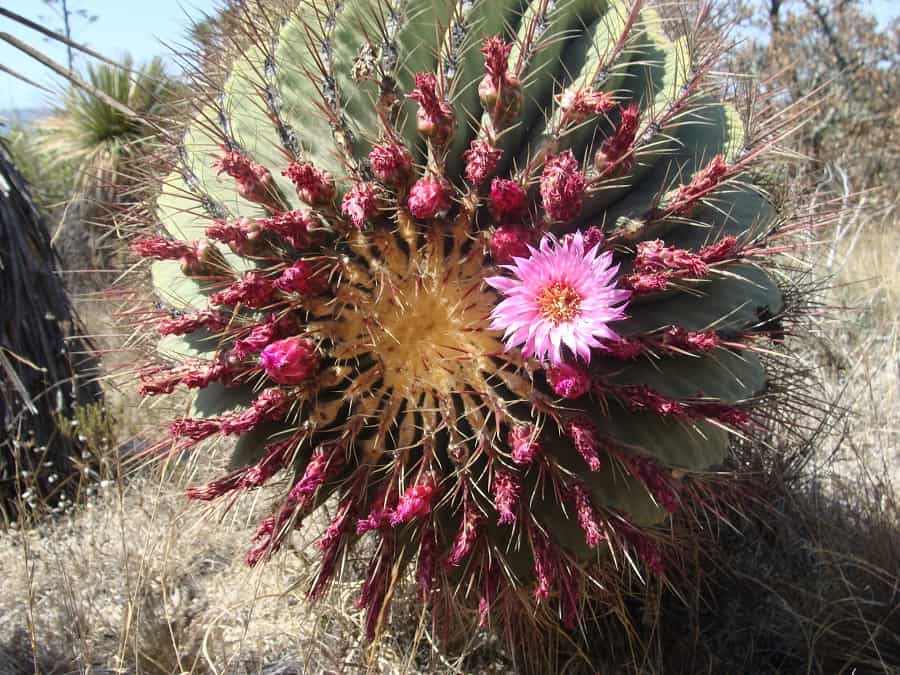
(410, 383)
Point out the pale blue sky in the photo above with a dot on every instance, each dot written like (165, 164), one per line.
(136, 26)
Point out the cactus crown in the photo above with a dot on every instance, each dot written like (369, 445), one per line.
(490, 274)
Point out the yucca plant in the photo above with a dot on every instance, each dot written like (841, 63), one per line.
(46, 369)
(100, 139)
(494, 278)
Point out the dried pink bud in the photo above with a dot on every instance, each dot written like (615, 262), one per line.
(272, 404)
(200, 377)
(314, 186)
(253, 290)
(194, 429)
(262, 334)
(254, 181)
(654, 256)
(242, 237)
(415, 502)
(360, 204)
(163, 249)
(609, 158)
(625, 349)
(524, 444)
(704, 181)
(648, 472)
(380, 512)
(577, 105)
(391, 163)
(510, 241)
(699, 341)
(724, 249)
(212, 320)
(466, 536)
(481, 161)
(435, 118)
(327, 459)
(506, 489)
(584, 436)
(500, 92)
(652, 282)
(562, 187)
(594, 532)
(593, 236)
(295, 227)
(253, 476)
(569, 380)
(545, 564)
(302, 277)
(639, 397)
(292, 360)
(428, 198)
(507, 199)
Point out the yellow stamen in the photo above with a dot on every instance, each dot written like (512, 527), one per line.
(559, 302)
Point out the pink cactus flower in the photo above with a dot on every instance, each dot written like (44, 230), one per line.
(561, 296)
(290, 361)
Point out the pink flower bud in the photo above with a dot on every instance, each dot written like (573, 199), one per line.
(499, 91)
(652, 282)
(295, 227)
(524, 444)
(466, 536)
(360, 204)
(507, 199)
(617, 146)
(428, 198)
(562, 187)
(314, 186)
(434, 118)
(415, 502)
(580, 104)
(506, 489)
(594, 532)
(481, 161)
(292, 360)
(510, 241)
(302, 277)
(212, 320)
(593, 236)
(252, 290)
(569, 380)
(163, 249)
(391, 163)
(254, 181)
(583, 434)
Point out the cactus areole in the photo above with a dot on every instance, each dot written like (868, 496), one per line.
(488, 277)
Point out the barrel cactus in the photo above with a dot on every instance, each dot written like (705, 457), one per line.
(491, 279)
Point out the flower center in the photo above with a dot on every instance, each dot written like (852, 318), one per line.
(559, 302)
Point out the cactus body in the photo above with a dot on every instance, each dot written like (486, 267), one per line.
(487, 471)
